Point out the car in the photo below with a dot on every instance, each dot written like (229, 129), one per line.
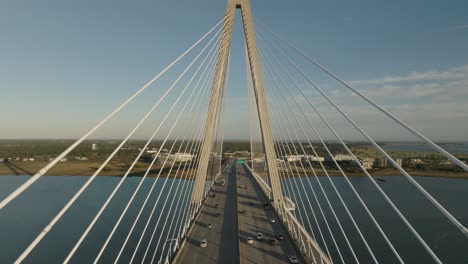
(251, 203)
(273, 241)
(209, 226)
(216, 205)
(279, 236)
(259, 236)
(203, 243)
(250, 240)
(272, 221)
(242, 211)
(212, 195)
(218, 214)
(293, 259)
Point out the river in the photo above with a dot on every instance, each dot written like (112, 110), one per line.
(22, 220)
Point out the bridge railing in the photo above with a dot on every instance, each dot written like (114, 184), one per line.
(309, 248)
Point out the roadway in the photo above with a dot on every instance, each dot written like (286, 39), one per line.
(257, 220)
(222, 238)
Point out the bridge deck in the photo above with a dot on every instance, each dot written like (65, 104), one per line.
(256, 219)
(222, 238)
(231, 229)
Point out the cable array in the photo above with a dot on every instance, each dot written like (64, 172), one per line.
(187, 106)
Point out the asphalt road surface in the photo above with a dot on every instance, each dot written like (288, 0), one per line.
(222, 238)
(258, 220)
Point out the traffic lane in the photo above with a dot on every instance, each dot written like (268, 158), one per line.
(192, 251)
(229, 250)
(216, 251)
(257, 219)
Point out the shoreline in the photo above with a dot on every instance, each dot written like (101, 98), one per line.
(118, 169)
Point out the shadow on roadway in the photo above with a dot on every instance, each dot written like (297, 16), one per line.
(228, 251)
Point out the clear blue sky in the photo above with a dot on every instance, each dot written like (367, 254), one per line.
(65, 64)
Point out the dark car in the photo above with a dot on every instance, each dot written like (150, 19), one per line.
(216, 205)
(273, 241)
(279, 236)
(251, 203)
(218, 214)
(259, 236)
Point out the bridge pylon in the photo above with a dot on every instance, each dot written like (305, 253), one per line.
(216, 97)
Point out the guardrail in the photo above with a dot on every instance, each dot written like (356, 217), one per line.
(309, 248)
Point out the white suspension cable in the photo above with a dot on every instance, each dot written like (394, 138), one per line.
(139, 214)
(36, 176)
(104, 206)
(449, 156)
(170, 207)
(200, 188)
(335, 162)
(146, 145)
(402, 217)
(399, 121)
(297, 171)
(159, 218)
(317, 201)
(276, 73)
(90, 180)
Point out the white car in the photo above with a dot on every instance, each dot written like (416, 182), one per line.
(203, 243)
(272, 220)
(250, 240)
(293, 259)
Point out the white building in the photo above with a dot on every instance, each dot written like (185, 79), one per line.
(94, 146)
(293, 158)
(315, 158)
(340, 157)
(367, 163)
(384, 163)
(183, 157)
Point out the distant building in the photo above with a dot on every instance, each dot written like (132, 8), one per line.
(64, 160)
(152, 151)
(339, 157)
(315, 158)
(243, 153)
(367, 163)
(2, 159)
(94, 146)
(183, 157)
(25, 159)
(293, 158)
(31, 159)
(416, 161)
(160, 158)
(385, 163)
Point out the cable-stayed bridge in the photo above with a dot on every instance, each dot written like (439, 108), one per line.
(191, 205)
